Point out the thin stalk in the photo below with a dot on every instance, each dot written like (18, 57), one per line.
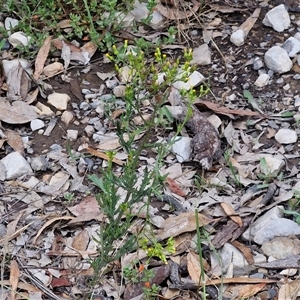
(199, 246)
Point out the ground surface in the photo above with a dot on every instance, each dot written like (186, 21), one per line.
(52, 253)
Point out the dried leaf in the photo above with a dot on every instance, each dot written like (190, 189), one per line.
(116, 113)
(16, 113)
(31, 97)
(231, 213)
(41, 57)
(104, 156)
(75, 89)
(67, 23)
(90, 48)
(66, 54)
(248, 24)
(59, 282)
(18, 83)
(226, 9)
(15, 141)
(87, 205)
(86, 217)
(114, 143)
(175, 13)
(185, 222)
(227, 111)
(48, 223)
(174, 187)
(14, 278)
(245, 250)
(194, 266)
(251, 290)
(81, 240)
(58, 43)
(289, 290)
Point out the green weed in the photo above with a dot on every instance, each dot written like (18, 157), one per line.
(136, 188)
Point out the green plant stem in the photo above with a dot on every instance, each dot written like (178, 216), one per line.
(199, 246)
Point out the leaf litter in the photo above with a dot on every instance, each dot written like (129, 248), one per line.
(227, 205)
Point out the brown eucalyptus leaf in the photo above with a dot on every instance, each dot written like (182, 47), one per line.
(15, 141)
(41, 57)
(14, 278)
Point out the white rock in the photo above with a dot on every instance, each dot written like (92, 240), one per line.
(2, 171)
(36, 124)
(201, 55)
(297, 36)
(9, 65)
(238, 37)
(276, 228)
(111, 83)
(215, 121)
(286, 136)
(182, 148)
(67, 117)
(281, 247)
(19, 38)
(39, 163)
(262, 80)
(89, 130)
(72, 134)
(15, 165)
(31, 183)
(119, 91)
(59, 180)
(43, 110)
(297, 186)
(10, 23)
(194, 80)
(231, 255)
(140, 11)
(59, 101)
(274, 213)
(157, 20)
(125, 74)
(274, 165)
(291, 46)
(139, 120)
(53, 69)
(257, 63)
(289, 272)
(277, 59)
(277, 18)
